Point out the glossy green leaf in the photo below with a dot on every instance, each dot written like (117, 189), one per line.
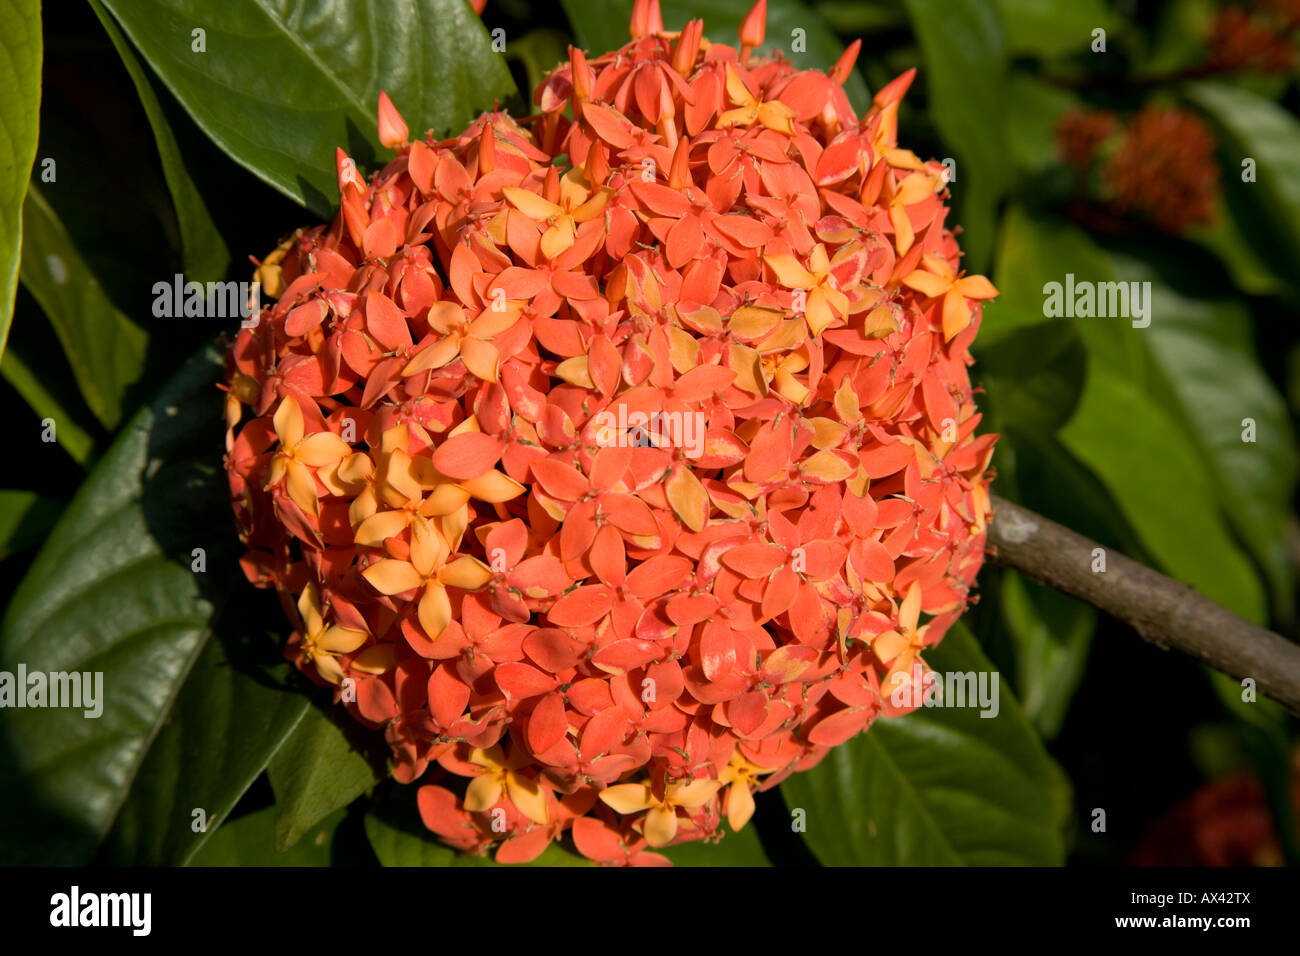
(941, 786)
(204, 252)
(317, 770)
(1193, 371)
(112, 591)
(20, 106)
(232, 714)
(1163, 489)
(104, 347)
(1037, 471)
(250, 841)
(1205, 350)
(1179, 39)
(601, 26)
(279, 86)
(1260, 130)
(399, 839)
(964, 74)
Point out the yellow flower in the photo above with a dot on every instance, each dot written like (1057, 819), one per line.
(825, 302)
(661, 821)
(941, 280)
(750, 109)
(429, 571)
(321, 644)
(913, 189)
(739, 777)
(298, 455)
(576, 205)
(899, 648)
(498, 775)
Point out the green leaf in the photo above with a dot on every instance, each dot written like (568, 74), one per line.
(1052, 28)
(1205, 350)
(250, 841)
(205, 254)
(279, 88)
(20, 106)
(1227, 238)
(1193, 376)
(232, 714)
(601, 26)
(25, 518)
(1163, 488)
(1179, 38)
(106, 350)
(399, 839)
(940, 786)
(1037, 106)
(1034, 376)
(112, 592)
(856, 17)
(1038, 472)
(1259, 129)
(317, 770)
(1050, 636)
(540, 51)
(965, 76)
(69, 436)
(1034, 251)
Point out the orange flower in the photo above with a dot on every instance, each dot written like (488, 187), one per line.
(619, 490)
(576, 204)
(300, 453)
(322, 645)
(940, 279)
(750, 109)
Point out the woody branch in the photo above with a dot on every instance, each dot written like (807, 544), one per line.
(1165, 612)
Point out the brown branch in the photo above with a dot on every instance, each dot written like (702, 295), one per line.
(1161, 610)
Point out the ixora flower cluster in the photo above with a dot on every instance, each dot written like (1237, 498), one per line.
(561, 621)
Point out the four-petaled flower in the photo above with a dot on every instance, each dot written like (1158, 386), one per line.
(661, 820)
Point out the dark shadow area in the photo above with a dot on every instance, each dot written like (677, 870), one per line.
(783, 846)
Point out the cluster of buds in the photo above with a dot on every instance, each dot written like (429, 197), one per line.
(565, 622)
(1158, 168)
(1239, 41)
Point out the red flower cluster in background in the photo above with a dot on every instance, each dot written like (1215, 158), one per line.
(1239, 41)
(443, 451)
(1164, 170)
(1161, 168)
